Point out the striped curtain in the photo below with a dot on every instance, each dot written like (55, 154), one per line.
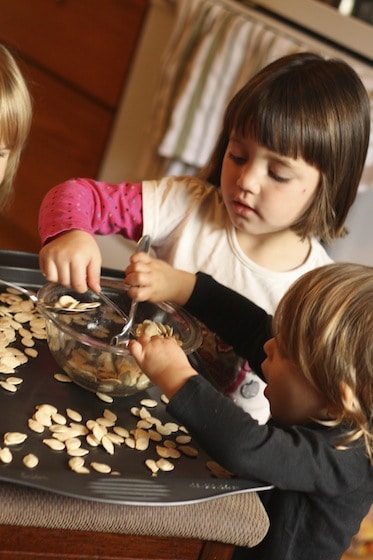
(215, 48)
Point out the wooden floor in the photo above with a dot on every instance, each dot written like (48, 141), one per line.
(362, 545)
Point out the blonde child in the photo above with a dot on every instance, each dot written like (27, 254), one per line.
(15, 121)
(287, 166)
(316, 357)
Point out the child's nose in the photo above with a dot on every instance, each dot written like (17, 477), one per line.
(249, 180)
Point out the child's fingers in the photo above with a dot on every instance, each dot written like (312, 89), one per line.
(49, 271)
(138, 258)
(93, 275)
(135, 349)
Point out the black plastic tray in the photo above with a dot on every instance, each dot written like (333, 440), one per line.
(190, 481)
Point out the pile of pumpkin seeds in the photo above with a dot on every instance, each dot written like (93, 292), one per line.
(21, 322)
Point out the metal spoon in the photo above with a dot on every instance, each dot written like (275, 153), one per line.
(143, 245)
(36, 301)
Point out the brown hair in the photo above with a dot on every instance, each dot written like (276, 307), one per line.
(15, 118)
(303, 105)
(327, 316)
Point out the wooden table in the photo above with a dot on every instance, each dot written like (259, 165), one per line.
(29, 543)
(39, 524)
(52, 522)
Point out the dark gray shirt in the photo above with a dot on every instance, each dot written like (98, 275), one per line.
(321, 494)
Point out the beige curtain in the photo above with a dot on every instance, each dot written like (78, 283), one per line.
(216, 46)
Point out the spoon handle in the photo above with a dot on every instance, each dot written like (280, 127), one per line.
(27, 293)
(143, 245)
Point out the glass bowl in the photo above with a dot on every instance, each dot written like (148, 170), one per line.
(80, 343)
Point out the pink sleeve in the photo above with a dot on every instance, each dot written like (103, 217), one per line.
(92, 206)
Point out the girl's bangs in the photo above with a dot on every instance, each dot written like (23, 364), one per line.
(280, 124)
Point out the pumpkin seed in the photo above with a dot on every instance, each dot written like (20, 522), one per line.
(30, 461)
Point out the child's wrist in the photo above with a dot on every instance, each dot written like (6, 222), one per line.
(185, 282)
(174, 383)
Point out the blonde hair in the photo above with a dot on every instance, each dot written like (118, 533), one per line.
(15, 118)
(302, 105)
(327, 316)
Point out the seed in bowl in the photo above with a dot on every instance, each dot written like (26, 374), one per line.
(69, 302)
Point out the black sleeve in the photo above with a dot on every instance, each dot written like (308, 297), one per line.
(237, 320)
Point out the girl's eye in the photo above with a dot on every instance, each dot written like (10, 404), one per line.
(239, 160)
(278, 178)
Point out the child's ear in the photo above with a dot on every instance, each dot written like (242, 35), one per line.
(348, 399)
(348, 396)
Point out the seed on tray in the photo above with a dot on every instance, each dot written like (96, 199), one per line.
(149, 403)
(167, 452)
(110, 415)
(73, 415)
(100, 467)
(130, 442)
(154, 436)
(60, 429)
(43, 417)
(76, 464)
(79, 452)
(15, 380)
(6, 455)
(99, 431)
(217, 470)
(79, 429)
(144, 413)
(62, 377)
(165, 465)
(14, 438)
(105, 422)
(30, 461)
(92, 441)
(10, 361)
(59, 419)
(72, 443)
(182, 440)
(28, 342)
(142, 441)
(54, 444)
(108, 445)
(35, 426)
(25, 333)
(152, 465)
(167, 429)
(47, 408)
(121, 431)
(115, 438)
(32, 352)
(104, 397)
(8, 386)
(23, 317)
(188, 450)
(144, 424)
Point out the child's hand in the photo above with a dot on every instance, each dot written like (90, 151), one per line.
(74, 260)
(154, 280)
(163, 361)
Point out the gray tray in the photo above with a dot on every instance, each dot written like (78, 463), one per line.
(190, 481)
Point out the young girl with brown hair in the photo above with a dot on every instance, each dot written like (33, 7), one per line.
(284, 174)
